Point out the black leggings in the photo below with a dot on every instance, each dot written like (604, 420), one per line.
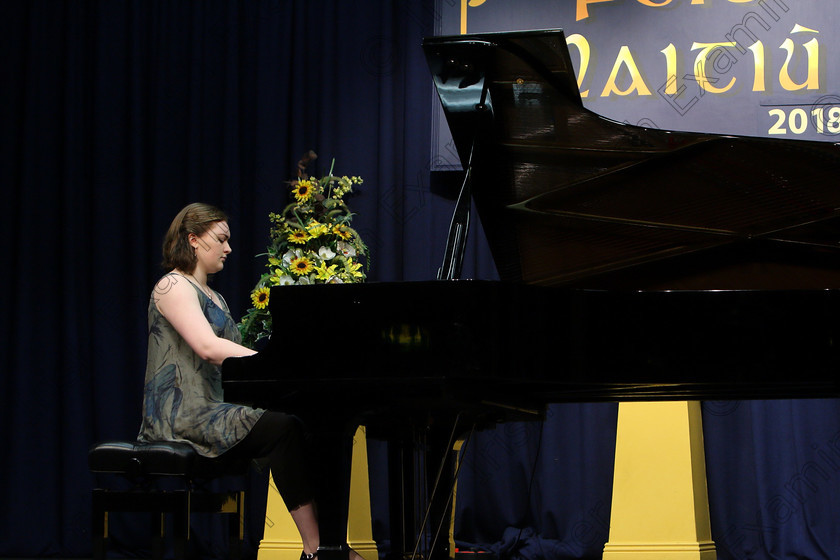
(280, 438)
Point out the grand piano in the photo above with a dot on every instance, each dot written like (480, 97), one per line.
(635, 264)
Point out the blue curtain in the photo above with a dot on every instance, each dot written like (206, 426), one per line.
(114, 115)
(540, 490)
(773, 473)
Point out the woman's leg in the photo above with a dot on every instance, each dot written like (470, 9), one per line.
(280, 438)
(306, 520)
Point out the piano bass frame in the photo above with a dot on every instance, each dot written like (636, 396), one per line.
(635, 264)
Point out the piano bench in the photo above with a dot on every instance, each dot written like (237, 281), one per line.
(160, 478)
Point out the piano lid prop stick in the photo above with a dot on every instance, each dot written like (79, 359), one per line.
(456, 242)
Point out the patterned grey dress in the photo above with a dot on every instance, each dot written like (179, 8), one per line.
(182, 397)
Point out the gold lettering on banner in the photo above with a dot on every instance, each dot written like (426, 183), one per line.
(582, 6)
(670, 53)
(712, 64)
(757, 49)
(625, 59)
(812, 48)
(582, 11)
(653, 4)
(582, 45)
(711, 52)
(673, 90)
(464, 5)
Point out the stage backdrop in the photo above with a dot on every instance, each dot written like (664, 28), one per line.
(744, 67)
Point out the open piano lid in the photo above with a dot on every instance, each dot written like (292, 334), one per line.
(570, 198)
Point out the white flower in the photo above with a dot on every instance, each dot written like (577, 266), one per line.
(326, 253)
(291, 254)
(346, 249)
(305, 280)
(286, 280)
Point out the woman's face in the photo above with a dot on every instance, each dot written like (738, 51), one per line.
(212, 247)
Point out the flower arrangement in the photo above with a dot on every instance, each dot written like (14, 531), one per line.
(312, 242)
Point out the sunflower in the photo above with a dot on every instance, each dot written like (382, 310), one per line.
(259, 297)
(317, 229)
(310, 242)
(342, 232)
(301, 266)
(298, 236)
(303, 190)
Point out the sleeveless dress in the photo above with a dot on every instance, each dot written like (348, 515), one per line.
(182, 397)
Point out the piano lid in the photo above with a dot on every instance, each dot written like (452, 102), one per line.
(570, 198)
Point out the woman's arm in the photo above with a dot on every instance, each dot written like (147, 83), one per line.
(177, 300)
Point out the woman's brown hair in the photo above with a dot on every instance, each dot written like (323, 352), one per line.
(195, 218)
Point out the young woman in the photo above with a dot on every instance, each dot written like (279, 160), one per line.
(191, 332)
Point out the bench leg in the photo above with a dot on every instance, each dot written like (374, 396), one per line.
(236, 527)
(181, 525)
(158, 535)
(180, 504)
(99, 525)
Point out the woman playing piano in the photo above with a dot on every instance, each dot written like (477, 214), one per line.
(190, 333)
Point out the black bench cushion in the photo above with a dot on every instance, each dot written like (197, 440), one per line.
(136, 458)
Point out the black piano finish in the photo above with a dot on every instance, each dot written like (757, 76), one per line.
(412, 348)
(570, 198)
(635, 264)
(436, 358)
(399, 347)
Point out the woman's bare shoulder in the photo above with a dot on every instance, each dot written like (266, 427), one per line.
(172, 286)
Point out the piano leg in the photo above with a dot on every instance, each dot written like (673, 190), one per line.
(660, 507)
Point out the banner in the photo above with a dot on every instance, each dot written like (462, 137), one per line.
(741, 67)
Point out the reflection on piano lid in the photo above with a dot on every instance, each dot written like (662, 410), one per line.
(570, 198)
